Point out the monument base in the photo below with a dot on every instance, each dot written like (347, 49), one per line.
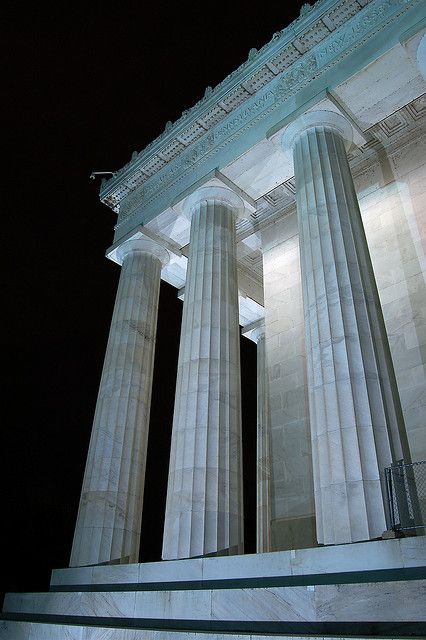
(371, 589)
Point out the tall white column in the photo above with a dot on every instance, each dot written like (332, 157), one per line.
(357, 427)
(204, 497)
(263, 462)
(110, 512)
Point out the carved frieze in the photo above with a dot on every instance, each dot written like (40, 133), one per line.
(230, 121)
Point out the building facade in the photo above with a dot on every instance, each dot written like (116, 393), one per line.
(289, 203)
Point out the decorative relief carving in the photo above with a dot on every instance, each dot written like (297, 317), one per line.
(393, 124)
(254, 263)
(282, 36)
(199, 149)
(280, 196)
(279, 88)
(290, 187)
(341, 14)
(274, 196)
(356, 28)
(305, 9)
(130, 204)
(207, 143)
(245, 114)
(297, 73)
(417, 108)
(164, 177)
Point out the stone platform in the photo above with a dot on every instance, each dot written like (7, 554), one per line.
(372, 589)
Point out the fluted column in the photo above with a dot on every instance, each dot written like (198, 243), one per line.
(204, 496)
(263, 462)
(110, 512)
(357, 427)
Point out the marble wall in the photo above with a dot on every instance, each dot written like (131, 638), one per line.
(392, 198)
(292, 501)
(392, 195)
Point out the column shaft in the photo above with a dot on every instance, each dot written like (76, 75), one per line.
(204, 497)
(356, 420)
(110, 511)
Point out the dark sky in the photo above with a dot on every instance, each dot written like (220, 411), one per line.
(83, 87)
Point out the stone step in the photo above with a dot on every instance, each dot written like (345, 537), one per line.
(367, 589)
(12, 630)
(333, 564)
(367, 602)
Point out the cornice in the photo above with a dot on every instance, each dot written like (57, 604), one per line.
(306, 48)
(214, 96)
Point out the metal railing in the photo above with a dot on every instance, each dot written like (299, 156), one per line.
(406, 492)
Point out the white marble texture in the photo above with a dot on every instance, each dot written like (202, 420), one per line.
(116, 574)
(395, 224)
(102, 604)
(414, 552)
(383, 601)
(10, 630)
(74, 575)
(362, 556)
(356, 420)
(292, 492)
(294, 604)
(110, 510)
(392, 601)
(398, 601)
(204, 496)
(170, 605)
(37, 631)
(171, 571)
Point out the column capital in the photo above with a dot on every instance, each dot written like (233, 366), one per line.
(142, 245)
(213, 193)
(312, 119)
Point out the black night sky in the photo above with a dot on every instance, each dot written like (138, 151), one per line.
(84, 85)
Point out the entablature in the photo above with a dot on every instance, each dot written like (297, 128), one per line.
(290, 74)
(171, 229)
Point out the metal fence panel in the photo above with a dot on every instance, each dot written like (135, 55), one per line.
(406, 486)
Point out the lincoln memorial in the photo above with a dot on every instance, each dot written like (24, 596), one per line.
(288, 205)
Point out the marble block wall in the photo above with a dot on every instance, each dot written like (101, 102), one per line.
(392, 197)
(292, 497)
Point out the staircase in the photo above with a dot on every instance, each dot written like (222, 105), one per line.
(370, 589)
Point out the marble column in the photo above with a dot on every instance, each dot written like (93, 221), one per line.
(204, 510)
(356, 420)
(110, 512)
(263, 462)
